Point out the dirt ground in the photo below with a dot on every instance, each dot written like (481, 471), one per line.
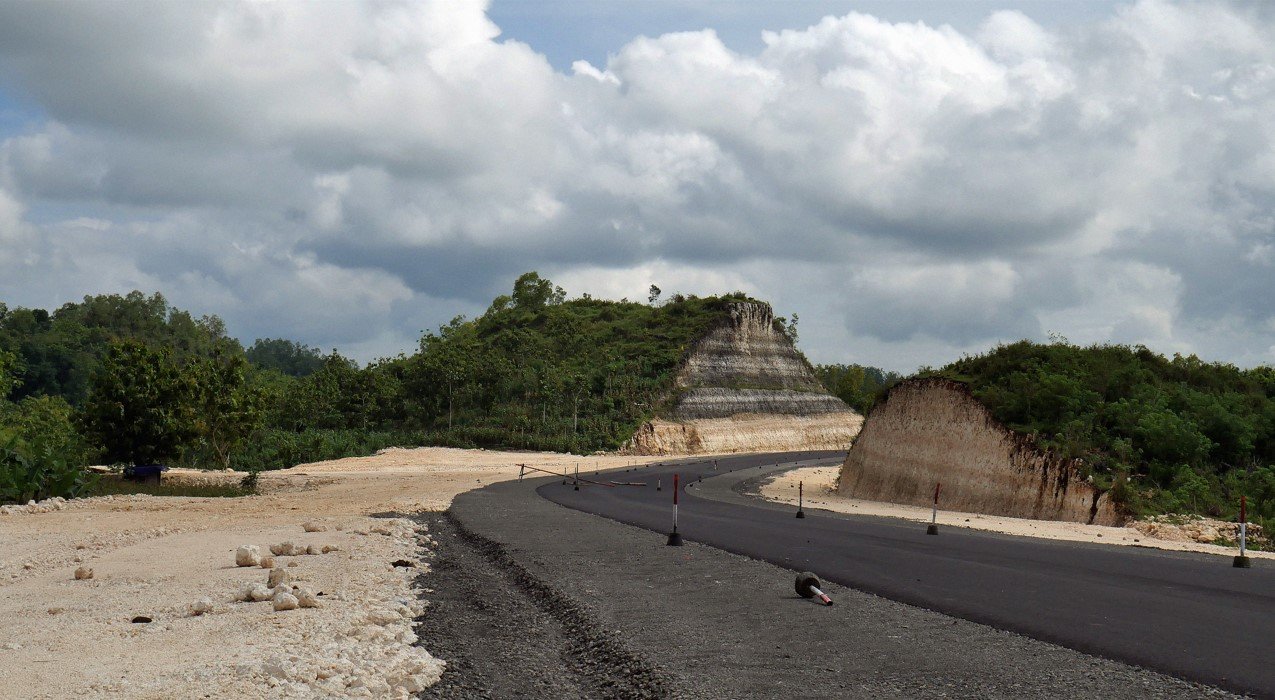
(155, 557)
(820, 494)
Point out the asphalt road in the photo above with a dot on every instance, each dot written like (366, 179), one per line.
(1188, 615)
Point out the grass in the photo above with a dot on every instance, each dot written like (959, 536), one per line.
(113, 485)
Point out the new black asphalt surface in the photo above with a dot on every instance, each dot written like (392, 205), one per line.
(1189, 615)
(533, 600)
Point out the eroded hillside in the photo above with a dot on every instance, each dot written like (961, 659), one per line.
(744, 387)
(932, 430)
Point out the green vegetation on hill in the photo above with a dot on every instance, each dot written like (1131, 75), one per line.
(858, 385)
(129, 380)
(58, 352)
(1166, 435)
(285, 356)
(538, 371)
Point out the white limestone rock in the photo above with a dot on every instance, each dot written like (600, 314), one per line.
(287, 549)
(248, 555)
(307, 599)
(286, 601)
(278, 575)
(202, 606)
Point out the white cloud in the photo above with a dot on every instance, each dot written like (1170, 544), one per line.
(351, 173)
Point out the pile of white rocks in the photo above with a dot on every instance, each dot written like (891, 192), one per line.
(276, 588)
(48, 505)
(250, 554)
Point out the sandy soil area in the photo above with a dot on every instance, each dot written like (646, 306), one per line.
(820, 494)
(155, 557)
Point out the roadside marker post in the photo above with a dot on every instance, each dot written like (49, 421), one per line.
(1242, 561)
(674, 539)
(800, 498)
(577, 476)
(808, 587)
(659, 484)
(933, 529)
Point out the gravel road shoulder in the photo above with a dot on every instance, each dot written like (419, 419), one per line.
(702, 623)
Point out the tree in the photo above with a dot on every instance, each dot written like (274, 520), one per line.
(226, 407)
(286, 356)
(531, 292)
(8, 373)
(449, 360)
(139, 405)
(653, 295)
(41, 454)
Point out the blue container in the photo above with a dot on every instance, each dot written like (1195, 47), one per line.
(145, 473)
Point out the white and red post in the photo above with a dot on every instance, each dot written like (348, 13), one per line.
(821, 595)
(1242, 561)
(674, 538)
(933, 529)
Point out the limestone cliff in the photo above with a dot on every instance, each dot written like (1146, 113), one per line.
(743, 387)
(933, 430)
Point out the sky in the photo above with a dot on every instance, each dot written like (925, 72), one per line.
(916, 180)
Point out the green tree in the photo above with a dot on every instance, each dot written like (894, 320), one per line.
(226, 407)
(448, 360)
(532, 292)
(139, 407)
(41, 454)
(285, 356)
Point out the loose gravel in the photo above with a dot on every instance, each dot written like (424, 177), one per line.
(505, 633)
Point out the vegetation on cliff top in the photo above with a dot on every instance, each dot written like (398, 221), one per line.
(1175, 435)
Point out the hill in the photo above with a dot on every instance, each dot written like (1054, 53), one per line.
(1161, 435)
(537, 370)
(743, 386)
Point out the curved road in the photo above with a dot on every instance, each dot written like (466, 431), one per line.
(1189, 615)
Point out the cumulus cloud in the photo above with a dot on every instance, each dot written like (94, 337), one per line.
(351, 173)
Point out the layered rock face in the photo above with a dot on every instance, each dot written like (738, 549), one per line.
(745, 388)
(930, 431)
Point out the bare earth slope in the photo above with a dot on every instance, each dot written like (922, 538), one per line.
(930, 431)
(745, 388)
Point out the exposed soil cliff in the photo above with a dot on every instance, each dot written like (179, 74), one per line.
(744, 387)
(930, 431)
